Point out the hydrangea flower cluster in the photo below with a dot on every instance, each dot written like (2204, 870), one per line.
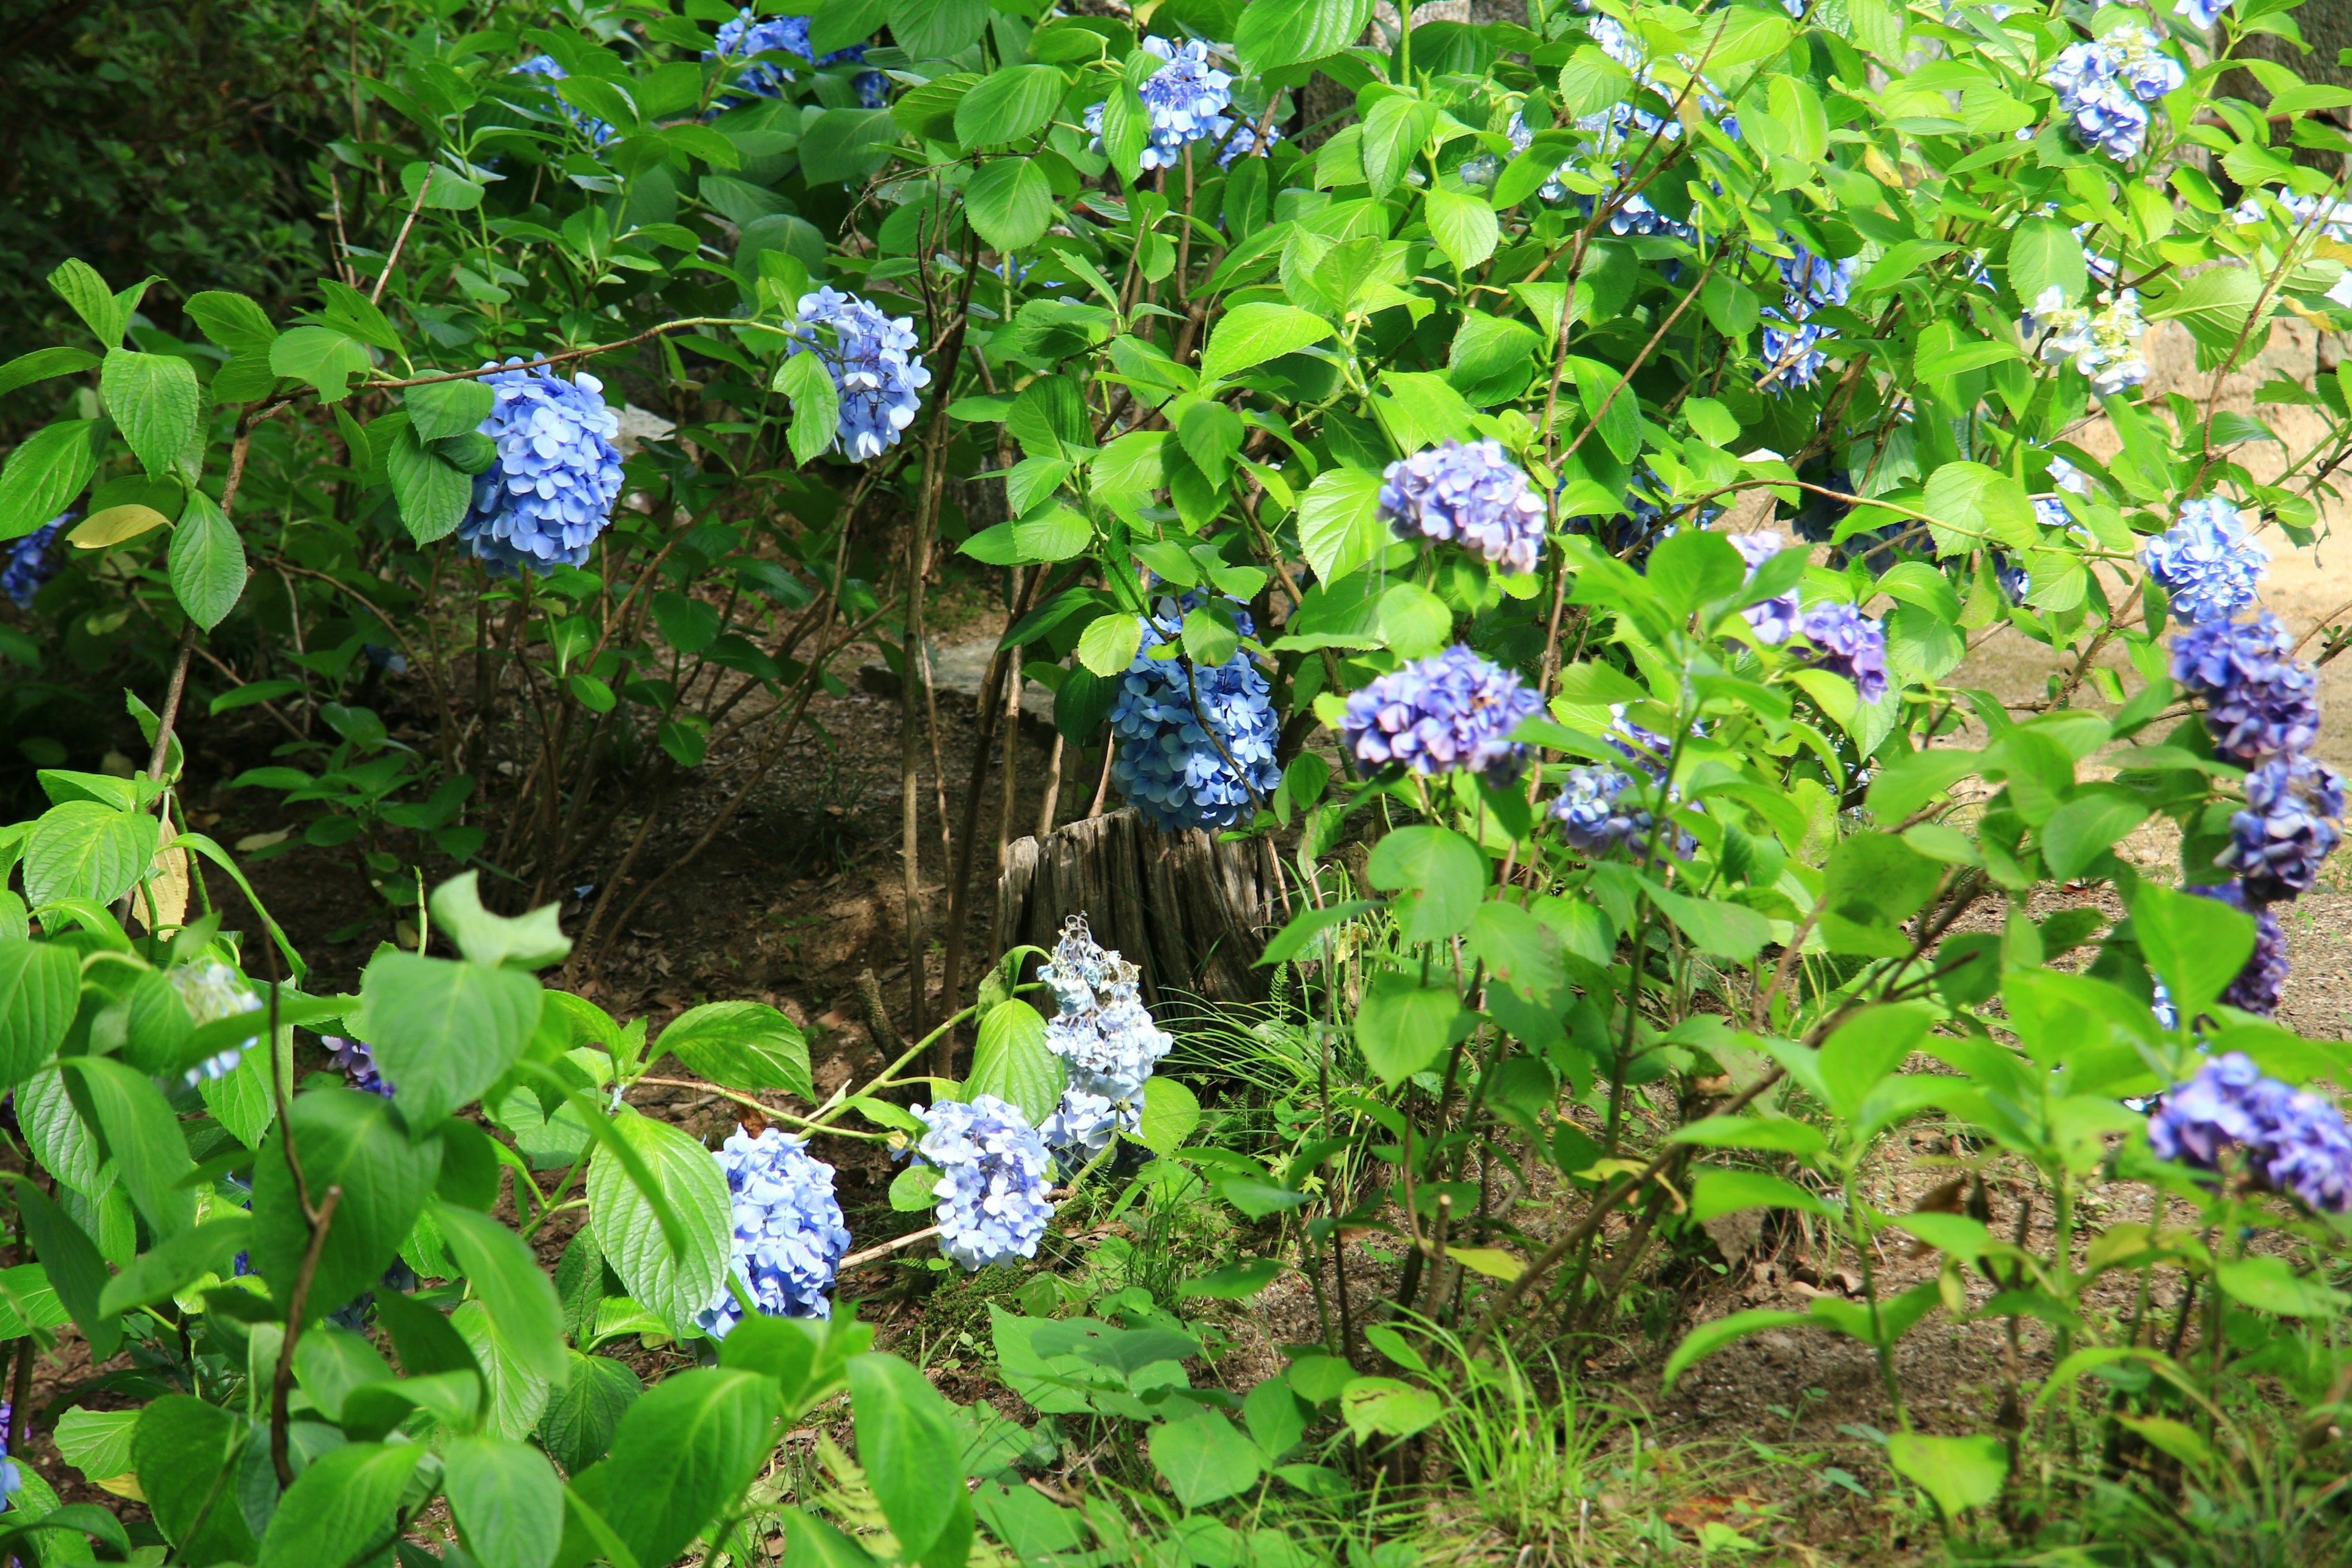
(1792, 356)
(2103, 346)
(745, 37)
(992, 1207)
(2260, 700)
(11, 1480)
(1106, 1038)
(2257, 986)
(1171, 764)
(1847, 642)
(2104, 85)
(2294, 1143)
(1590, 812)
(597, 131)
(2334, 218)
(788, 1236)
(1471, 494)
(2289, 826)
(1186, 100)
(29, 565)
(2202, 14)
(551, 491)
(876, 375)
(1771, 620)
(2205, 562)
(356, 1061)
(212, 990)
(1451, 710)
(1631, 534)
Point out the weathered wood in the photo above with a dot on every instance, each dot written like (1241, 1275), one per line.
(1191, 913)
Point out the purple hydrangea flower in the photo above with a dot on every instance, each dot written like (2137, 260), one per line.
(876, 375)
(551, 491)
(2310, 1154)
(1170, 766)
(357, 1063)
(1186, 100)
(1590, 813)
(2260, 700)
(2205, 562)
(2294, 1143)
(2257, 986)
(992, 1207)
(788, 1236)
(1848, 642)
(1471, 494)
(2289, 826)
(1106, 1038)
(597, 131)
(1775, 618)
(1792, 356)
(29, 565)
(1451, 710)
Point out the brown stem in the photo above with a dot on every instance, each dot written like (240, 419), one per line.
(960, 874)
(283, 1385)
(375, 296)
(1053, 800)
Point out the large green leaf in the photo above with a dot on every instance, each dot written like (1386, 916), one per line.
(846, 145)
(1205, 1459)
(1011, 1062)
(40, 986)
(44, 473)
(1288, 32)
(153, 400)
(1443, 874)
(207, 561)
(1252, 334)
(674, 1285)
(432, 493)
(907, 1442)
(1339, 525)
(1709, 1338)
(341, 1510)
(586, 1409)
(1009, 203)
(74, 1270)
(81, 849)
(1402, 1028)
(1463, 225)
(356, 1142)
(500, 1268)
(183, 1449)
(530, 941)
(506, 1499)
(142, 1137)
(2197, 946)
(323, 356)
(514, 1395)
(746, 1046)
(1958, 1472)
(1008, 105)
(689, 1449)
(936, 30)
(443, 1031)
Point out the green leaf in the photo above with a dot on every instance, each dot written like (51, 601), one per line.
(500, 1266)
(445, 189)
(1009, 203)
(1958, 1472)
(746, 1046)
(340, 1510)
(673, 1285)
(356, 1142)
(846, 145)
(1170, 1113)
(689, 1449)
(42, 364)
(1288, 32)
(2082, 829)
(2270, 1285)
(2213, 304)
(1715, 1193)
(1009, 105)
(40, 989)
(323, 356)
(506, 1499)
(43, 475)
(1108, 643)
(1205, 1459)
(1339, 525)
(2197, 946)
(329, 1362)
(1969, 505)
(231, 320)
(1383, 1406)
(1519, 949)
(207, 561)
(153, 401)
(1442, 872)
(1465, 226)
(142, 1137)
(810, 1543)
(76, 1270)
(907, 1442)
(526, 942)
(77, 282)
(443, 1031)
(439, 409)
(1010, 1062)
(1307, 925)
(1871, 1044)
(1235, 1282)
(98, 1442)
(817, 404)
(181, 1447)
(580, 1419)
(433, 493)
(915, 1188)
(1402, 1028)
(1709, 1338)
(1394, 132)
(1252, 334)
(936, 30)
(80, 849)
(513, 1395)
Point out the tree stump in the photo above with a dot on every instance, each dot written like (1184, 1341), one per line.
(1191, 913)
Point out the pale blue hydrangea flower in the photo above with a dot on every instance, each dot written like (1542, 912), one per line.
(1186, 100)
(788, 1234)
(2104, 86)
(2103, 346)
(2202, 14)
(1107, 1040)
(1450, 711)
(212, 990)
(1173, 755)
(2333, 217)
(1591, 812)
(356, 1061)
(877, 373)
(2294, 805)
(2261, 702)
(992, 1205)
(1471, 494)
(2067, 477)
(2205, 563)
(29, 565)
(551, 491)
(744, 37)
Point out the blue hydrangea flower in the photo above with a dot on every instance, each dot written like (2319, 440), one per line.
(1847, 643)
(1106, 1038)
(1451, 710)
(2310, 1154)
(2256, 986)
(2260, 700)
(2205, 562)
(1592, 815)
(1522, 137)
(744, 37)
(2334, 218)
(2292, 806)
(29, 565)
(2202, 14)
(551, 491)
(2067, 477)
(877, 373)
(597, 131)
(1775, 618)
(1470, 494)
(357, 1063)
(1170, 765)
(2292, 1142)
(1186, 100)
(2104, 86)
(11, 1480)
(212, 990)
(788, 1234)
(1792, 356)
(992, 1207)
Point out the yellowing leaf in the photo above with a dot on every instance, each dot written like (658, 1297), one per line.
(1491, 1261)
(114, 525)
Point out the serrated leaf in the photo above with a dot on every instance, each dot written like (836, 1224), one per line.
(1252, 334)
(1465, 226)
(206, 562)
(1009, 203)
(1108, 643)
